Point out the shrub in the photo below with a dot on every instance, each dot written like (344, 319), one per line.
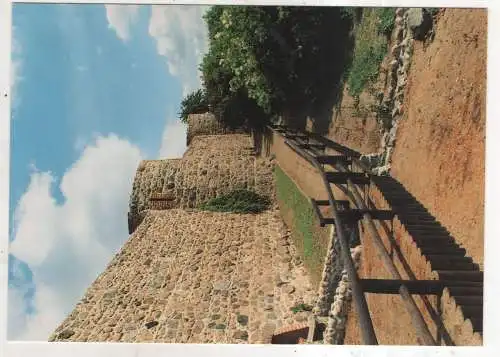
(370, 48)
(193, 103)
(238, 201)
(366, 65)
(386, 16)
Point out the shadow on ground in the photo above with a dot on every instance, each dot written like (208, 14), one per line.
(407, 208)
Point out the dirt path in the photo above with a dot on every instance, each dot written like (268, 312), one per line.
(440, 144)
(348, 128)
(443, 134)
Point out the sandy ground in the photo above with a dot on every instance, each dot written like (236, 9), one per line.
(439, 155)
(347, 128)
(443, 134)
(440, 147)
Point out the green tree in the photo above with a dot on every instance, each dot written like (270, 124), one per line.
(262, 60)
(194, 103)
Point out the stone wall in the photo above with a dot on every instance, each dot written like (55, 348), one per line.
(189, 276)
(337, 316)
(212, 165)
(206, 124)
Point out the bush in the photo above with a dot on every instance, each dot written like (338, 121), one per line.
(238, 201)
(272, 58)
(370, 48)
(386, 16)
(194, 103)
(365, 66)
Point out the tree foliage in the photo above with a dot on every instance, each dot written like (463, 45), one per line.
(264, 59)
(194, 103)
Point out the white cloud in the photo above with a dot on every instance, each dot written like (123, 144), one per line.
(182, 37)
(81, 68)
(121, 18)
(173, 143)
(67, 245)
(15, 311)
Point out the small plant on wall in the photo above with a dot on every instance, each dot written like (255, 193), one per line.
(301, 307)
(238, 201)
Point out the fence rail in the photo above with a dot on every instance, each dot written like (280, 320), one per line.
(350, 173)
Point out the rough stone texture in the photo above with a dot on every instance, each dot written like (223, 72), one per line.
(194, 277)
(329, 277)
(206, 124)
(419, 22)
(402, 39)
(337, 318)
(212, 165)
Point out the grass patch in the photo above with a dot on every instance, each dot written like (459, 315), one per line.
(370, 47)
(386, 16)
(237, 201)
(310, 239)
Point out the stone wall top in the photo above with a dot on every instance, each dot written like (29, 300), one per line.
(213, 165)
(203, 124)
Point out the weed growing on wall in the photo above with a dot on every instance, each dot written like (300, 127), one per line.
(238, 201)
(301, 307)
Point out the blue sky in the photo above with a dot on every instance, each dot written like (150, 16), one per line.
(95, 90)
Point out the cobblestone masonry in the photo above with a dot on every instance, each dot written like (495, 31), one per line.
(402, 39)
(212, 165)
(187, 276)
(337, 318)
(206, 124)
